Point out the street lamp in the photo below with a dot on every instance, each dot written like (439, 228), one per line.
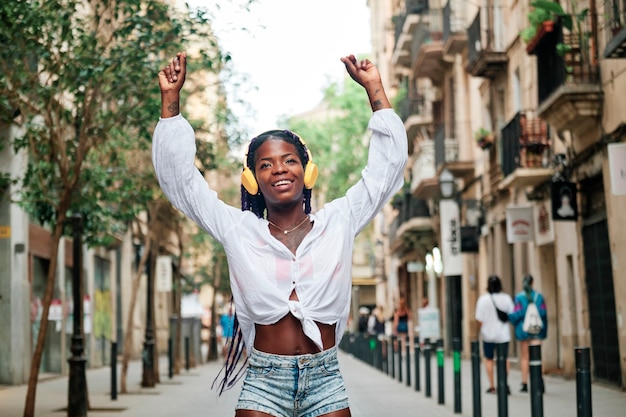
(77, 389)
(148, 379)
(446, 183)
(451, 255)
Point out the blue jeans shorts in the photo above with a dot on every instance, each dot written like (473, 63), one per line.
(489, 349)
(287, 386)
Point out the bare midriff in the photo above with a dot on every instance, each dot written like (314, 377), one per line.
(286, 337)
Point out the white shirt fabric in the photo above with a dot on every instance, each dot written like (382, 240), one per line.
(492, 329)
(263, 272)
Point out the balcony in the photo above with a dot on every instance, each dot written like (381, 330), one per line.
(427, 49)
(569, 89)
(615, 29)
(406, 28)
(412, 227)
(424, 182)
(447, 154)
(486, 55)
(454, 31)
(416, 112)
(526, 149)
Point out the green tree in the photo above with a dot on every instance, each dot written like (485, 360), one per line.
(78, 79)
(338, 141)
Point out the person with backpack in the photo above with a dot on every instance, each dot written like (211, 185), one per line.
(530, 319)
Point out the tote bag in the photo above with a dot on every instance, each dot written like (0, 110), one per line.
(532, 320)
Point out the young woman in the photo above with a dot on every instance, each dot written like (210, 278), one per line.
(522, 299)
(290, 268)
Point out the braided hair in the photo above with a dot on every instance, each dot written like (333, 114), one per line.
(256, 203)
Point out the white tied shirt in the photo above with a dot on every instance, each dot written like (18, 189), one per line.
(263, 271)
(492, 329)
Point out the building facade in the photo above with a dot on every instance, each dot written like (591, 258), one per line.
(529, 123)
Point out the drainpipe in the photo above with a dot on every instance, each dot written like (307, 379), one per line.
(594, 33)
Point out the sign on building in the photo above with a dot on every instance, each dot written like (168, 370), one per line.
(163, 277)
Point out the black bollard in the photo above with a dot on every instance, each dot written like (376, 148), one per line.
(385, 355)
(408, 362)
(583, 382)
(392, 354)
(114, 371)
(456, 366)
(440, 379)
(476, 409)
(416, 350)
(186, 353)
(503, 401)
(536, 381)
(170, 358)
(399, 359)
(427, 349)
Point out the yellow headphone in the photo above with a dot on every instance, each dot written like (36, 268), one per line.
(249, 182)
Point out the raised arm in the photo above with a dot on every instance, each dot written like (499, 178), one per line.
(366, 74)
(171, 80)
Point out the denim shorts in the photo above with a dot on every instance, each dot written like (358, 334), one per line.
(293, 386)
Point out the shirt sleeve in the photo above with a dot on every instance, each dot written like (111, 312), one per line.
(173, 157)
(383, 175)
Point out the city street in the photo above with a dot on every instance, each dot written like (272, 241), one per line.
(371, 392)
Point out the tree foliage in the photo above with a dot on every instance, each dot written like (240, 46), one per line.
(338, 141)
(78, 79)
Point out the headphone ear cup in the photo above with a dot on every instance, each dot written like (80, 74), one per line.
(249, 181)
(310, 175)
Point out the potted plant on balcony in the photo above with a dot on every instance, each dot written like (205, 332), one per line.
(543, 16)
(484, 138)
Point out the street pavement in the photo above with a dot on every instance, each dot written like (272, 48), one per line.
(371, 393)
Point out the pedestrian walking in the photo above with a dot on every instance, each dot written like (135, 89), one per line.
(493, 330)
(376, 321)
(290, 267)
(525, 337)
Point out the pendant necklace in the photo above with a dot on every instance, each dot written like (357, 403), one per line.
(290, 230)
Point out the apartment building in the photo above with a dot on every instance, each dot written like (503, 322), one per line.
(530, 127)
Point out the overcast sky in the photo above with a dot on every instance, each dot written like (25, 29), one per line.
(289, 50)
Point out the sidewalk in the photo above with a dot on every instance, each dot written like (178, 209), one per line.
(372, 393)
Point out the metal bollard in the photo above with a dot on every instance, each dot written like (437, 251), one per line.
(170, 358)
(440, 379)
(400, 359)
(113, 370)
(456, 366)
(503, 401)
(379, 354)
(408, 362)
(186, 353)
(392, 353)
(536, 381)
(416, 350)
(583, 382)
(476, 406)
(385, 355)
(427, 349)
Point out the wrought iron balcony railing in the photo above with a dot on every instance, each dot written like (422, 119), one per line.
(525, 143)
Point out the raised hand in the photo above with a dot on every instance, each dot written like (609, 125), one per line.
(366, 74)
(171, 80)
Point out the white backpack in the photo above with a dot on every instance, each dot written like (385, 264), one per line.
(532, 320)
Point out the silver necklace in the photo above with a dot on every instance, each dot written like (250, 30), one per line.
(290, 230)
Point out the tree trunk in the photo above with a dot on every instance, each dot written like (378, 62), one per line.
(31, 393)
(128, 332)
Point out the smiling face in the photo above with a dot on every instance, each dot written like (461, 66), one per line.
(279, 172)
